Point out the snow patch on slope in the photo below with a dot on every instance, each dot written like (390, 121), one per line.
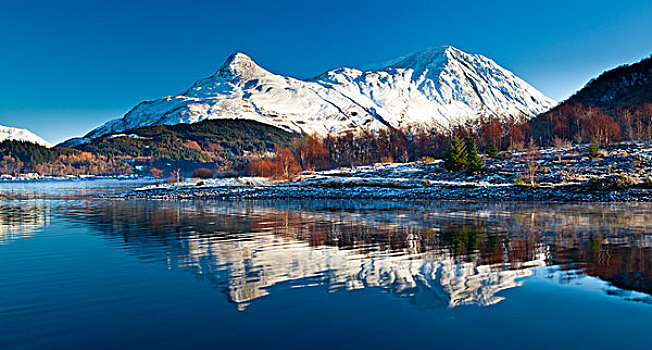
(17, 134)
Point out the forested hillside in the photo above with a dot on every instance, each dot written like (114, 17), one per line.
(627, 85)
(214, 144)
(615, 106)
(19, 157)
(207, 141)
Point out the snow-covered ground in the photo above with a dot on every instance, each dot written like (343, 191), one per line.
(211, 183)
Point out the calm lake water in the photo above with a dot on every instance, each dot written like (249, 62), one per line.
(320, 274)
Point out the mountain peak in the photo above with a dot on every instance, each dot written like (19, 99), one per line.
(432, 56)
(428, 58)
(238, 57)
(426, 61)
(240, 65)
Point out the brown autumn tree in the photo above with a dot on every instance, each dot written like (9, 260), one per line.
(421, 146)
(398, 145)
(311, 153)
(202, 173)
(561, 129)
(262, 168)
(286, 164)
(341, 148)
(175, 177)
(601, 128)
(532, 157)
(156, 173)
(492, 132)
(515, 136)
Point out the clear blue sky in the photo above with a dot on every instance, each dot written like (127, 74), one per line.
(69, 66)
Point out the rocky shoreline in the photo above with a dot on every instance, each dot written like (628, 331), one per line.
(565, 193)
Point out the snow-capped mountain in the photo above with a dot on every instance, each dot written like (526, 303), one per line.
(16, 134)
(439, 87)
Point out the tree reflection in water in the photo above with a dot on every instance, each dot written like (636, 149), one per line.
(433, 254)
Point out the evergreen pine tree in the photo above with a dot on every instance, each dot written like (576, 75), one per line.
(594, 149)
(492, 150)
(456, 156)
(474, 161)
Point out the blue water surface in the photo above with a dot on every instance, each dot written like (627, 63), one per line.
(89, 274)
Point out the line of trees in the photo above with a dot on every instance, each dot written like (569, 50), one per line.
(350, 149)
(413, 144)
(580, 123)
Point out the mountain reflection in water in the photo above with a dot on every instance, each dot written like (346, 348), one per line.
(21, 221)
(433, 254)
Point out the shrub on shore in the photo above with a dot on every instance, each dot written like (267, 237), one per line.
(594, 149)
(202, 173)
(619, 181)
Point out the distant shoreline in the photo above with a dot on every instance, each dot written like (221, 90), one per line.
(42, 178)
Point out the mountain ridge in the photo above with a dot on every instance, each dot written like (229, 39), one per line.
(628, 84)
(437, 87)
(17, 134)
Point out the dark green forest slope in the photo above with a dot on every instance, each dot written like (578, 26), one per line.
(206, 141)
